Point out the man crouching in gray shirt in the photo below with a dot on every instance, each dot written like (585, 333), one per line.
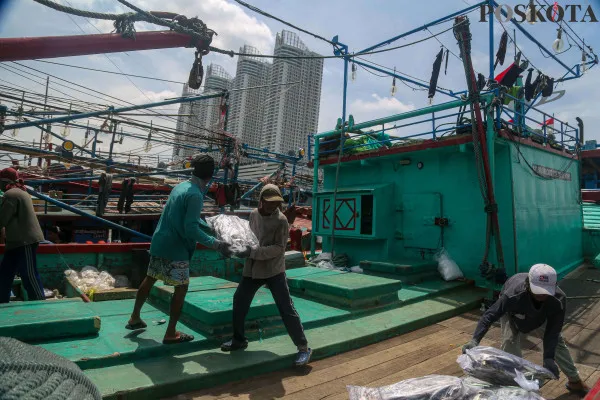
(526, 302)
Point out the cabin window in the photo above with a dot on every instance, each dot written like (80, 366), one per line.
(366, 215)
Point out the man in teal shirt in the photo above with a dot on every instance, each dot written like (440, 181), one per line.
(173, 243)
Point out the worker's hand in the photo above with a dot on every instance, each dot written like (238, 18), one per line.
(244, 253)
(223, 247)
(551, 366)
(472, 343)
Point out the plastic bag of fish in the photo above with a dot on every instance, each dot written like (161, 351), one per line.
(233, 230)
(501, 368)
(441, 387)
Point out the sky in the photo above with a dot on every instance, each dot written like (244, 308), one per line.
(358, 23)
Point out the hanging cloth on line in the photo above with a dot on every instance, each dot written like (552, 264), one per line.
(547, 91)
(509, 76)
(435, 73)
(501, 53)
(446, 67)
(529, 86)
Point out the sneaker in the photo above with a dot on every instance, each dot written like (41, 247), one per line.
(303, 357)
(234, 345)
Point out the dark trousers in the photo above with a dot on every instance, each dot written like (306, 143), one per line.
(281, 294)
(24, 261)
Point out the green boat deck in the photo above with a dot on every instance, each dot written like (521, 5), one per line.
(340, 311)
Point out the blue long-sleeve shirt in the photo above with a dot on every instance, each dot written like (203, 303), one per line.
(180, 226)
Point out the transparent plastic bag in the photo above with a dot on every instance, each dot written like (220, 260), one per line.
(89, 272)
(500, 368)
(476, 389)
(446, 266)
(233, 230)
(70, 273)
(104, 281)
(431, 387)
(441, 387)
(121, 281)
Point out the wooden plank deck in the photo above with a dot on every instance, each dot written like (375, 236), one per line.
(431, 350)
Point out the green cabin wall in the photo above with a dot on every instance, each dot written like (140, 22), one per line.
(533, 212)
(205, 262)
(548, 212)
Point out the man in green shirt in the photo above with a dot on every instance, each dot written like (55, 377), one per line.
(173, 243)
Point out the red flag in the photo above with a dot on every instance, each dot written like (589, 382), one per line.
(501, 75)
(555, 11)
(548, 122)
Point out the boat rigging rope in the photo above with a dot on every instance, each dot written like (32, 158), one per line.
(463, 35)
(124, 22)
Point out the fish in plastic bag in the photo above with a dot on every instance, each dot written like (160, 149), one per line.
(432, 387)
(441, 387)
(233, 230)
(500, 368)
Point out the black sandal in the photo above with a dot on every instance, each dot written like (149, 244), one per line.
(183, 337)
(136, 326)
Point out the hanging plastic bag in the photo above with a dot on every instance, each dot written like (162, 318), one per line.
(447, 267)
(233, 230)
(499, 368)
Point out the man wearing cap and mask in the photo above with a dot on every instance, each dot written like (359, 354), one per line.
(173, 244)
(23, 234)
(265, 264)
(526, 303)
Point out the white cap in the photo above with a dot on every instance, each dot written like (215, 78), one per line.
(542, 279)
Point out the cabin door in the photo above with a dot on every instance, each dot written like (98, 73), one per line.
(421, 215)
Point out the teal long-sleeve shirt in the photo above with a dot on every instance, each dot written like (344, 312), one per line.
(180, 226)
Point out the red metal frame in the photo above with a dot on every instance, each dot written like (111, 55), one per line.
(352, 219)
(14, 49)
(594, 393)
(590, 153)
(326, 207)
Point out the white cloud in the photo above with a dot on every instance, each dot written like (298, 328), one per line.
(233, 26)
(150, 95)
(380, 105)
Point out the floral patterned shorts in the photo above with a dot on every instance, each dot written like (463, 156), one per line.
(172, 273)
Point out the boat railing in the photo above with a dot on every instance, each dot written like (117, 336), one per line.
(549, 130)
(440, 121)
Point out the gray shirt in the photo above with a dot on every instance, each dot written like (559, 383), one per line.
(272, 232)
(18, 217)
(524, 314)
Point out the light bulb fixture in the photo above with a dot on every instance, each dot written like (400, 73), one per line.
(559, 43)
(15, 131)
(353, 72)
(530, 12)
(66, 131)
